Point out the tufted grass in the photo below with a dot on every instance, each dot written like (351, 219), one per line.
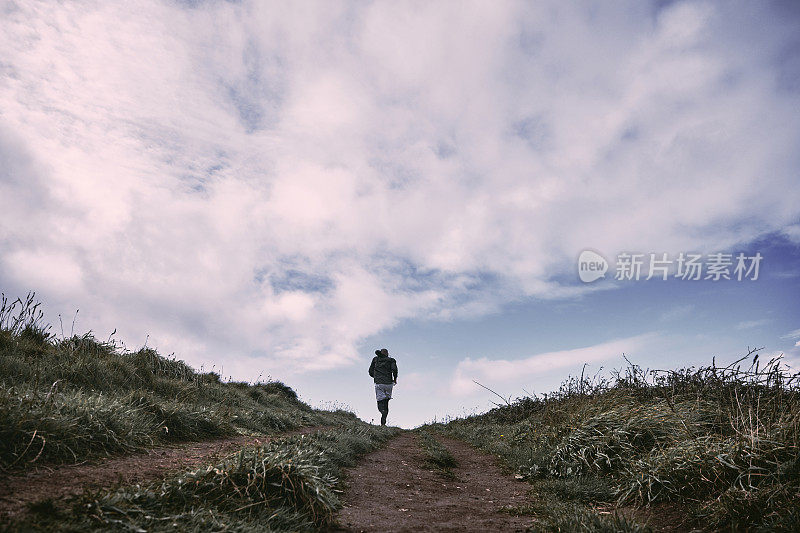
(76, 398)
(436, 454)
(722, 444)
(289, 484)
(64, 400)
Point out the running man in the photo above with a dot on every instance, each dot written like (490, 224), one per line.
(384, 371)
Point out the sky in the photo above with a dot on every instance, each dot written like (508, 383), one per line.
(273, 190)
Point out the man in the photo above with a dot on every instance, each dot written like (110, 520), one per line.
(384, 371)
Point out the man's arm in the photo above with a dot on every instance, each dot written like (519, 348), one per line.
(394, 370)
(372, 368)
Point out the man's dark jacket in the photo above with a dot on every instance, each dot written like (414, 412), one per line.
(383, 369)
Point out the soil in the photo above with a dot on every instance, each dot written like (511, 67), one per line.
(390, 490)
(60, 482)
(393, 489)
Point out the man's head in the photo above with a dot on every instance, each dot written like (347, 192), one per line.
(382, 352)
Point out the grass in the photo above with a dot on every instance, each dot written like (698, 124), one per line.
(66, 400)
(70, 399)
(437, 456)
(290, 484)
(557, 514)
(721, 444)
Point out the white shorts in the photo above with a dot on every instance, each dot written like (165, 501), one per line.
(383, 391)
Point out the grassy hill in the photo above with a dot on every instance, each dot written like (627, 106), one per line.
(709, 448)
(67, 400)
(712, 448)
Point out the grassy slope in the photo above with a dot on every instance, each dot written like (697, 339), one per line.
(67, 400)
(720, 445)
(290, 484)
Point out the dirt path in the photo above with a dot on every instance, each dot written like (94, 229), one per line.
(58, 482)
(393, 490)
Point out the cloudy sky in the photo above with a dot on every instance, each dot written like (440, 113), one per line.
(278, 188)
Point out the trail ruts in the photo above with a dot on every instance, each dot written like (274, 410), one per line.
(393, 489)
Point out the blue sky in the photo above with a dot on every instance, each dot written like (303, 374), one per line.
(279, 188)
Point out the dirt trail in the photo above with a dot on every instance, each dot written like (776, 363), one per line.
(393, 490)
(58, 482)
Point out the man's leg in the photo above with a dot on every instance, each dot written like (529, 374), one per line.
(383, 407)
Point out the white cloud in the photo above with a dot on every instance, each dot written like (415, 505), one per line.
(53, 272)
(794, 334)
(747, 324)
(273, 183)
(514, 373)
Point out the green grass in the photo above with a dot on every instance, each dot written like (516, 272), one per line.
(437, 456)
(290, 484)
(67, 400)
(722, 444)
(557, 514)
(71, 399)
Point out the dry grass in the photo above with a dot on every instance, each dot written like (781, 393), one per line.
(65, 400)
(722, 442)
(68, 399)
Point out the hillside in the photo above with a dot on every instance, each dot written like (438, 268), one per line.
(67, 401)
(97, 438)
(709, 448)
